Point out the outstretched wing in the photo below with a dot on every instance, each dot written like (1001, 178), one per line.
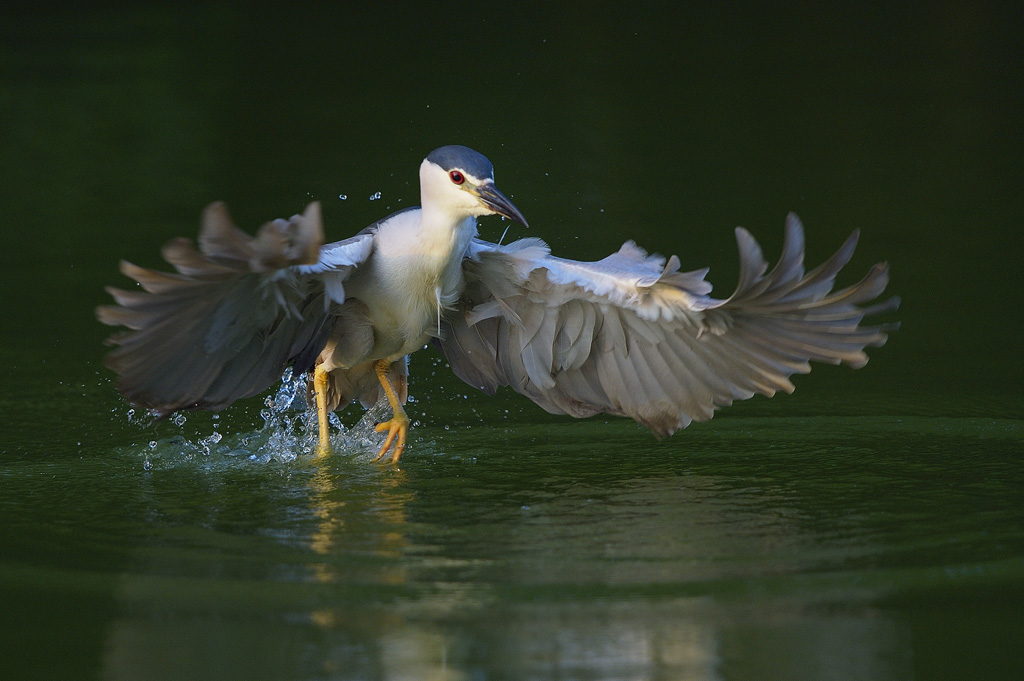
(631, 335)
(237, 311)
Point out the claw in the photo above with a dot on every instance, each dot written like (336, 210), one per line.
(398, 429)
(398, 426)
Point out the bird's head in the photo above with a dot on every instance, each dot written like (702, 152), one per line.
(460, 182)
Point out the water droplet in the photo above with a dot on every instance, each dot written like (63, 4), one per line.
(152, 444)
(343, 197)
(179, 419)
(375, 196)
(147, 465)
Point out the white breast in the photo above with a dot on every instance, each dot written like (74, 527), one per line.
(415, 271)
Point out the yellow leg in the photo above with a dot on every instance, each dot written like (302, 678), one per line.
(320, 389)
(398, 426)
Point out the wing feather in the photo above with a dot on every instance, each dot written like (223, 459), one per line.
(578, 354)
(235, 312)
(631, 335)
(573, 318)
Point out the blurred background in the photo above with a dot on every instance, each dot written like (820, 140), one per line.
(834, 533)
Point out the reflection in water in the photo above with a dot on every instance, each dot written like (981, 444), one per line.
(337, 514)
(819, 645)
(339, 569)
(397, 646)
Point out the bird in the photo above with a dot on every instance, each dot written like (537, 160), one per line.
(628, 335)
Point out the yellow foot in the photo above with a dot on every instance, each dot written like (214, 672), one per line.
(398, 428)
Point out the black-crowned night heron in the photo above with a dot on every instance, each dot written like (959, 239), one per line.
(629, 335)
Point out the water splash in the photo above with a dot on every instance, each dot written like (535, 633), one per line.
(289, 432)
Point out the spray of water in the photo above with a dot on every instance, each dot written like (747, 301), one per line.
(289, 432)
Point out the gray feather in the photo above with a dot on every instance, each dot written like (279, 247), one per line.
(631, 335)
(237, 311)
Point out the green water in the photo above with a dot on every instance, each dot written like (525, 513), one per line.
(870, 526)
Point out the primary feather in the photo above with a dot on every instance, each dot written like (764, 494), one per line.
(631, 335)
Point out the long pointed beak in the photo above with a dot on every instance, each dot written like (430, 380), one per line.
(499, 203)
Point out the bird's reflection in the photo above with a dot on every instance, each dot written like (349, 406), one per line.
(340, 525)
(445, 570)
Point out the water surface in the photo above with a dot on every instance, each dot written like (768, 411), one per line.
(870, 526)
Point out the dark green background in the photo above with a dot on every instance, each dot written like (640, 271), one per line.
(871, 526)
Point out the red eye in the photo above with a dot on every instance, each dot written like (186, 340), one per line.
(457, 177)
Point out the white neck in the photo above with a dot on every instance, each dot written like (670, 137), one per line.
(448, 220)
